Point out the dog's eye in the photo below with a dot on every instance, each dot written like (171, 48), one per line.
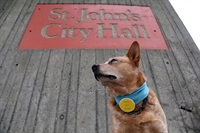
(113, 60)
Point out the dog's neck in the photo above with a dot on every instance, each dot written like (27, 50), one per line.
(136, 97)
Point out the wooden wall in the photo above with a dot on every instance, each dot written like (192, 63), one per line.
(48, 91)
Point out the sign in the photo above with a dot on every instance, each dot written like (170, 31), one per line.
(69, 26)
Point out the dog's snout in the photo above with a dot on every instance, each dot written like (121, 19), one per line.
(95, 67)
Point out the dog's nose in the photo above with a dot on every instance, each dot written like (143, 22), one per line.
(95, 67)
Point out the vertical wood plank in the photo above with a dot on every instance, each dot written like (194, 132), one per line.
(49, 98)
(66, 1)
(122, 2)
(5, 10)
(104, 1)
(180, 58)
(10, 20)
(89, 2)
(86, 107)
(72, 102)
(36, 94)
(102, 120)
(22, 105)
(191, 51)
(19, 71)
(135, 2)
(61, 115)
(12, 64)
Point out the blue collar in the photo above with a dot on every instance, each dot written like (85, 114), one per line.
(137, 96)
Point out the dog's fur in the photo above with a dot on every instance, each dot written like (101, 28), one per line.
(121, 75)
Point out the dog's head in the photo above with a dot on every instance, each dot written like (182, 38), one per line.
(121, 74)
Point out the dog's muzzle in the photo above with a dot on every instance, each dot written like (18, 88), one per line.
(98, 75)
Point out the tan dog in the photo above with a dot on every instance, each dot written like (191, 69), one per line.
(134, 107)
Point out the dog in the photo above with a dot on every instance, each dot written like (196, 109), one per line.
(133, 105)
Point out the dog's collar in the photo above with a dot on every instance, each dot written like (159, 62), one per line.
(127, 102)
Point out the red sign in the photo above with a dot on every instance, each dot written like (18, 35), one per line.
(92, 26)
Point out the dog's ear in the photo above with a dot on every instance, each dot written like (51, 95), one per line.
(134, 53)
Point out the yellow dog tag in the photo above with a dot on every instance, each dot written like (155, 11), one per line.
(127, 105)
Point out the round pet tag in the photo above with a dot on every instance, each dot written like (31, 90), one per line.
(127, 105)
